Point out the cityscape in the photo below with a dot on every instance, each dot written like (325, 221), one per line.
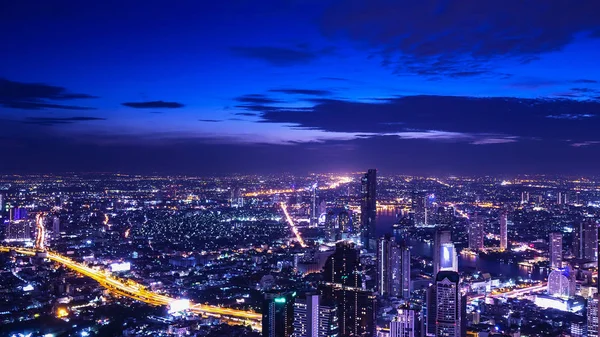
(299, 168)
(322, 255)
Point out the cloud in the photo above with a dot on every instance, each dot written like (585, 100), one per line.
(277, 56)
(311, 92)
(210, 120)
(571, 116)
(585, 143)
(47, 121)
(256, 98)
(37, 96)
(432, 35)
(153, 105)
(585, 81)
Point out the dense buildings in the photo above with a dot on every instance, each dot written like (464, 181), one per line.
(368, 209)
(403, 324)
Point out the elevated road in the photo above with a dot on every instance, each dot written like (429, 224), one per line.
(293, 226)
(138, 292)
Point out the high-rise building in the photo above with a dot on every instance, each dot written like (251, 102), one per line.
(343, 284)
(306, 316)
(503, 230)
(429, 312)
(441, 238)
(314, 216)
(578, 329)
(588, 236)
(419, 208)
(555, 250)
(56, 227)
(278, 314)
(19, 230)
(328, 319)
(592, 317)
(448, 304)
(561, 283)
(403, 324)
(476, 232)
(393, 268)
(368, 209)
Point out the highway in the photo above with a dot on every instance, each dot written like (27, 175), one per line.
(138, 292)
(293, 226)
(513, 293)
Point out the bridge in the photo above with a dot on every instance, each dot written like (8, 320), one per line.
(136, 291)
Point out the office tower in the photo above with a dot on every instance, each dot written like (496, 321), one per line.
(429, 315)
(440, 238)
(278, 314)
(449, 307)
(503, 231)
(56, 227)
(592, 317)
(588, 236)
(328, 320)
(524, 197)
(476, 233)
(343, 284)
(18, 213)
(20, 230)
(393, 268)
(306, 316)
(403, 324)
(313, 208)
(561, 283)
(578, 329)
(368, 209)
(419, 207)
(555, 250)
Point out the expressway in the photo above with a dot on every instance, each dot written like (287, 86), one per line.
(293, 226)
(513, 293)
(131, 289)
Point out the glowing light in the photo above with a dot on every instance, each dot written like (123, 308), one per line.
(280, 300)
(40, 236)
(125, 266)
(28, 287)
(294, 228)
(62, 312)
(179, 305)
(127, 232)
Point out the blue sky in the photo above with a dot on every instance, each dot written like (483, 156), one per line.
(292, 84)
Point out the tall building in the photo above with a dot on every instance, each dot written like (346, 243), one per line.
(588, 236)
(503, 230)
(419, 208)
(313, 209)
(328, 320)
(448, 305)
(56, 227)
(555, 250)
(19, 230)
(343, 284)
(476, 232)
(561, 283)
(314, 318)
(393, 268)
(368, 209)
(441, 238)
(592, 317)
(278, 314)
(403, 324)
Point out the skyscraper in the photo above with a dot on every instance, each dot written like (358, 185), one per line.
(448, 304)
(476, 233)
(368, 209)
(56, 227)
(342, 284)
(441, 238)
(555, 250)
(278, 314)
(588, 240)
(328, 319)
(561, 283)
(419, 207)
(306, 316)
(393, 268)
(503, 231)
(592, 317)
(403, 324)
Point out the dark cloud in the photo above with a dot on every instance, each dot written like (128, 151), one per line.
(37, 96)
(256, 99)
(247, 114)
(340, 79)
(585, 81)
(59, 120)
(210, 120)
(153, 105)
(312, 92)
(277, 56)
(433, 34)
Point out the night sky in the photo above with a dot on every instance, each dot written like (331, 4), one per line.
(236, 86)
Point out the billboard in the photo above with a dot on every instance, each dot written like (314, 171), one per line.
(116, 267)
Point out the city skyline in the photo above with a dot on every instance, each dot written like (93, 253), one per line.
(326, 86)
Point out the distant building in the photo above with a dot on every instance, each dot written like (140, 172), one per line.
(368, 209)
(476, 232)
(56, 227)
(449, 306)
(419, 208)
(592, 317)
(19, 231)
(403, 324)
(588, 240)
(278, 314)
(503, 231)
(555, 250)
(561, 283)
(393, 268)
(314, 318)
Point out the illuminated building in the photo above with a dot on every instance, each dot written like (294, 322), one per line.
(343, 284)
(18, 213)
(314, 318)
(592, 317)
(278, 314)
(20, 230)
(476, 233)
(313, 208)
(588, 240)
(393, 268)
(503, 231)
(441, 238)
(368, 209)
(56, 227)
(555, 250)
(578, 329)
(448, 308)
(403, 324)
(561, 283)
(419, 208)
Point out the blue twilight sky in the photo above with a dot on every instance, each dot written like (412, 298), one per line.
(432, 87)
